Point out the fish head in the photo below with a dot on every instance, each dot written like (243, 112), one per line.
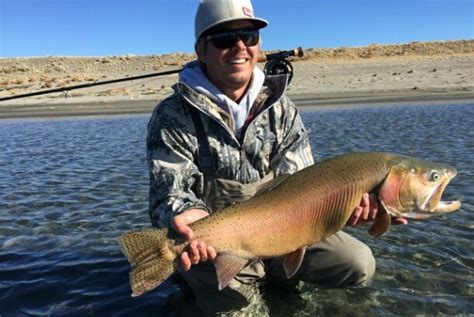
(413, 188)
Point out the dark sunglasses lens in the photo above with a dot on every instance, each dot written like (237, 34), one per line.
(250, 38)
(228, 40)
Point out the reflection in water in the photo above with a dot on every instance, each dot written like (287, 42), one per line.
(70, 187)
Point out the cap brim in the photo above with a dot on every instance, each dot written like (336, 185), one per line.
(259, 24)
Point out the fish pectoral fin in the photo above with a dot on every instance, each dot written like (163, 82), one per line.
(292, 261)
(227, 267)
(381, 224)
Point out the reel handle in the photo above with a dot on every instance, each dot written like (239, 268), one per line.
(296, 52)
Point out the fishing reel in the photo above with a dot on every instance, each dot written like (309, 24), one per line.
(278, 63)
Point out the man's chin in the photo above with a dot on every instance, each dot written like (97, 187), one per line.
(239, 80)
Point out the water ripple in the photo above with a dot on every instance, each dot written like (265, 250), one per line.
(70, 187)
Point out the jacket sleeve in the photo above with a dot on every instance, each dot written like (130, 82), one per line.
(292, 151)
(175, 180)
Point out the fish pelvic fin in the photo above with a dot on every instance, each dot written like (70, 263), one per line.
(292, 261)
(381, 224)
(227, 267)
(151, 258)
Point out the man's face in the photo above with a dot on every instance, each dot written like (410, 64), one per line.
(230, 69)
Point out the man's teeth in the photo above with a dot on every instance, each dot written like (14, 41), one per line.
(237, 61)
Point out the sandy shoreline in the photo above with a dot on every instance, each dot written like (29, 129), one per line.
(303, 101)
(394, 74)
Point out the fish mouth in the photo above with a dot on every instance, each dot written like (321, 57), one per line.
(447, 206)
(433, 205)
(443, 207)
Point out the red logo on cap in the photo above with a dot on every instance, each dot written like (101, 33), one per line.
(247, 11)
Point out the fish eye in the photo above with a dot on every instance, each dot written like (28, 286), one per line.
(435, 176)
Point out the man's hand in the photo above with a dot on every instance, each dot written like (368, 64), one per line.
(367, 211)
(197, 251)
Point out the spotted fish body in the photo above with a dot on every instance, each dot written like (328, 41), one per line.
(305, 208)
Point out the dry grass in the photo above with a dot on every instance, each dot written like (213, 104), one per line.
(397, 50)
(16, 68)
(30, 74)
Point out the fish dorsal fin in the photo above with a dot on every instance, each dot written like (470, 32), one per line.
(292, 261)
(227, 267)
(381, 224)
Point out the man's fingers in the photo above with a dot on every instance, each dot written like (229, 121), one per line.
(197, 252)
(181, 222)
(367, 211)
(185, 261)
(364, 205)
(194, 252)
(180, 226)
(373, 207)
(201, 246)
(211, 253)
(355, 216)
(399, 221)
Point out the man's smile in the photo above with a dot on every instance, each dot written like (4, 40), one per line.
(237, 61)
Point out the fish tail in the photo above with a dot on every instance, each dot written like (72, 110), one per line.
(150, 256)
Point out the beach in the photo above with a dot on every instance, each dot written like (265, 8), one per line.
(417, 72)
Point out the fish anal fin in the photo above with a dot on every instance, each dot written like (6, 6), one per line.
(227, 267)
(381, 224)
(292, 261)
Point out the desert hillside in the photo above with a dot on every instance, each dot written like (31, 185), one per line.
(422, 66)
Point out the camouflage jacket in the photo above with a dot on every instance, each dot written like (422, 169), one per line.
(274, 140)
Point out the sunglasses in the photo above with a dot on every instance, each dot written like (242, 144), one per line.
(230, 38)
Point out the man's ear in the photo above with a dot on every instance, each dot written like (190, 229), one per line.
(200, 49)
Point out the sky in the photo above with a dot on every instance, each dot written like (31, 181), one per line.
(142, 27)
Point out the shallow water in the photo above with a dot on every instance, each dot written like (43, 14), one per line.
(69, 187)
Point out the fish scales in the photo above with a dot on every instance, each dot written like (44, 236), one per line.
(248, 234)
(344, 188)
(295, 217)
(305, 208)
(294, 210)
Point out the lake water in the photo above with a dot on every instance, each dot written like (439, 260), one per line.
(69, 187)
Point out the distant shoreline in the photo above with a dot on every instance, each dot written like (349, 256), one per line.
(48, 109)
(417, 72)
(348, 100)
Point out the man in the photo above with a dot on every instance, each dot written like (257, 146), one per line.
(225, 132)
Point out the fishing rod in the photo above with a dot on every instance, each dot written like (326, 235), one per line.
(277, 63)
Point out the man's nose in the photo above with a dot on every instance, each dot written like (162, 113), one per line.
(240, 44)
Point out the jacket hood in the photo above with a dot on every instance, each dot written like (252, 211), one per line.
(273, 89)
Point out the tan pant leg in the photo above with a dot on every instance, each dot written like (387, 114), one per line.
(242, 293)
(338, 261)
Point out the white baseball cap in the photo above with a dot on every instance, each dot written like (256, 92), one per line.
(214, 12)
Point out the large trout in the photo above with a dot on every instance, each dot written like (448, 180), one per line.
(305, 208)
